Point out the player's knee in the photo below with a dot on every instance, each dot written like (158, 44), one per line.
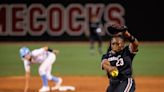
(42, 71)
(49, 77)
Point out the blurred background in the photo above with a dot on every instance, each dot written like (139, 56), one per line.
(64, 25)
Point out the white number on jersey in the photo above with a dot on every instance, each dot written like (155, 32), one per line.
(120, 62)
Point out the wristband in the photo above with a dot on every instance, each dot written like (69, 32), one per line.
(131, 38)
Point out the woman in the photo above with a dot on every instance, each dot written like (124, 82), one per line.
(45, 57)
(94, 31)
(119, 58)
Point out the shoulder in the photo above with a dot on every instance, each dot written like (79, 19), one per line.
(126, 48)
(105, 56)
(129, 50)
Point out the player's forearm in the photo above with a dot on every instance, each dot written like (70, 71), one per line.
(109, 68)
(106, 66)
(27, 80)
(130, 37)
(134, 42)
(56, 51)
(27, 75)
(51, 50)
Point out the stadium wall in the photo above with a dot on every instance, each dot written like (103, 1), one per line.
(64, 20)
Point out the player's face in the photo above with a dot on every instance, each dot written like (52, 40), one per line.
(117, 44)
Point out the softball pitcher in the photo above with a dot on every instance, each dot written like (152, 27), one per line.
(45, 57)
(117, 62)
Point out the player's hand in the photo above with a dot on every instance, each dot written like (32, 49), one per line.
(126, 34)
(27, 76)
(114, 73)
(56, 51)
(26, 89)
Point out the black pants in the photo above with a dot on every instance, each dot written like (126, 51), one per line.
(94, 38)
(127, 85)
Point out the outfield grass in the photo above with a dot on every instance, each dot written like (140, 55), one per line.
(75, 59)
(150, 59)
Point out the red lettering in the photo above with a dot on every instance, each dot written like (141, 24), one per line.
(36, 16)
(113, 11)
(3, 20)
(17, 20)
(95, 10)
(75, 27)
(55, 19)
(115, 14)
(71, 19)
(18, 17)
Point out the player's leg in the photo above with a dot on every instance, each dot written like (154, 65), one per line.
(100, 45)
(112, 87)
(133, 87)
(45, 71)
(50, 60)
(56, 80)
(99, 40)
(126, 86)
(42, 73)
(91, 40)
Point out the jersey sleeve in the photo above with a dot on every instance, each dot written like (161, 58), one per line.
(105, 56)
(27, 65)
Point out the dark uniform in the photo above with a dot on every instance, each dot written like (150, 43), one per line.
(123, 61)
(94, 35)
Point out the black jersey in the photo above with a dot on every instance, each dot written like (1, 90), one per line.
(123, 62)
(92, 27)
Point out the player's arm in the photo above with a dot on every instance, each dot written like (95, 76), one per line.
(27, 81)
(27, 75)
(51, 50)
(106, 66)
(133, 41)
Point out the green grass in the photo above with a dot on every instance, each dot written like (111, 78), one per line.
(150, 60)
(75, 59)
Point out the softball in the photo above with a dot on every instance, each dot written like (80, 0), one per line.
(114, 73)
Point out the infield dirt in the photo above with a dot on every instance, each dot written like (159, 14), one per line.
(82, 84)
